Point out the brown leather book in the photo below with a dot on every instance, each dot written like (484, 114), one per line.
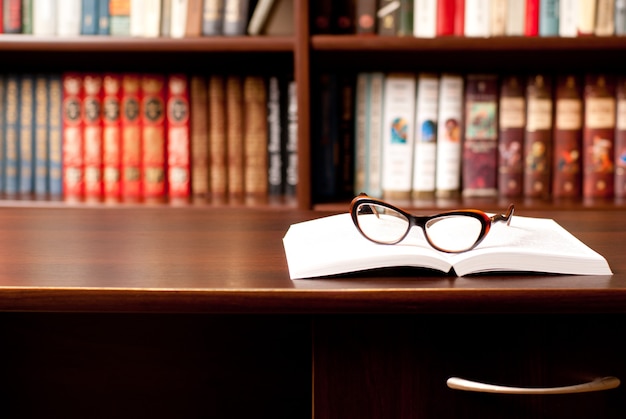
(255, 140)
(218, 173)
(234, 139)
(131, 139)
(199, 138)
(512, 122)
(153, 145)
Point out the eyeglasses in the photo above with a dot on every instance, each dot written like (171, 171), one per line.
(451, 231)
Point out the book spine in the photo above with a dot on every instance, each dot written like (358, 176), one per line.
(459, 17)
(425, 18)
(538, 137)
(212, 17)
(138, 15)
(498, 17)
(324, 148)
(512, 122)
(620, 139)
(104, 18)
(516, 18)
(166, 18)
(112, 137)
(235, 138)
(152, 18)
(11, 126)
(548, 17)
(181, 132)
(275, 110)
(73, 142)
(477, 18)
(92, 135)
(568, 18)
(218, 166)
(131, 139)
(26, 134)
(366, 20)
(69, 14)
(375, 130)
(361, 142)
(531, 22)
(426, 116)
(119, 17)
(55, 138)
(599, 136)
(291, 142)
(40, 171)
(398, 135)
(235, 17)
(178, 18)
(342, 17)
(321, 11)
(2, 125)
(153, 142)
(480, 147)
(605, 18)
(258, 18)
(89, 17)
(449, 135)
(620, 17)
(388, 17)
(255, 140)
(446, 12)
(27, 16)
(12, 16)
(345, 179)
(44, 17)
(586, 17)
(568, 123)
(193, 26)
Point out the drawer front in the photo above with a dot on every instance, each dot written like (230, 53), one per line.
(397, 366)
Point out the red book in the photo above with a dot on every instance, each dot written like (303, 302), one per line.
(446, 17)
(1, 17)
(512, 122)
(568, 123)
(459, 18)
(178, 137)
(131, 139)
(620, 140)
(599, 137)
(92, 136)
(112, 137)
(153, 144)
(12, 16)
(531, 27)
(73, 180)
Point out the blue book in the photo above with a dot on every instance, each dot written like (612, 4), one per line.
(89, 17)
(549, 18)
(55, 137)
(103, 17)
(40, 152)
(26, 135)
(11, 131)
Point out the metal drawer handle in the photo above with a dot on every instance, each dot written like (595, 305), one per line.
(604, 383)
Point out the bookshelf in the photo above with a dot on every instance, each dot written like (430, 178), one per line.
(308, 55)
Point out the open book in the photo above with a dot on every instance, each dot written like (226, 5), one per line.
(332, 245)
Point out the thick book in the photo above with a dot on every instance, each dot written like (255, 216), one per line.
(11, 133)
(212, 17)
(512, 123)
(112, 137)
(41, 137)
(235, 138)
(153, 141)
(477, 18)
(255, 140)
(605, 18)
(538, 137)
(291, 141)
(498, 17)
(12, 15)
(193, 27)
(89, 18)
(92, 135)
(73, 142)
(235, 21)
(332, 246)
(365, 13)
(531, 26)
(2, 139)
(425, 155)
(446, 15)
(425, 18)
(26, 134)
(620, 140)
(179, 134)
(549, 18)
(104, 17)
(218, 164)
(131, 139)
(69, 15)
(480, 147)
(44, 17)
(119, 17)
(199, 136)
(568, 124)
(568, 18)
(276, 93)
(599, 136)
(55, 137)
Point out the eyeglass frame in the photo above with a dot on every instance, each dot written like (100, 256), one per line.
(420, 220)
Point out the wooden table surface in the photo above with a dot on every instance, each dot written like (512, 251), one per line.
(231, 260)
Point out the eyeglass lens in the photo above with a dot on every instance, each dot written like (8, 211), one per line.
(451, 233)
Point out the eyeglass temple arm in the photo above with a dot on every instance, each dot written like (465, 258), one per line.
(505, 217)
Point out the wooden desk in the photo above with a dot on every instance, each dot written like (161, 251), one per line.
(189, 312)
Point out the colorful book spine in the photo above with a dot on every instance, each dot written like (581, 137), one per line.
(620, 140)
(26, 134)
(398, 135)
(89, 19)
(55, 137)
(180, 135)
(480, 147)
(449, 135)
(27, 16)
(512, 122)
(446, 14)
(40, 153)
(73, 142)
(568, 124)
(12, 14)
(11, 134)
(119, 17)
(131, 139)
(104, 17)
(111, 137)
(426, 116)
(255, 140)
(153, 142)
(538, 137)
(599, 136)
(92, 136)
(549, 17)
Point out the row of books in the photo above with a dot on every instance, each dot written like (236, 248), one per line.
(221, 139)
(403, 135)
(146, 18)
(472, 18)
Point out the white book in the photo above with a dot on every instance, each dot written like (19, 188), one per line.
(44, 17)
(375, 135)
(425, 18)
(259, 16)
(478, 18)
(449, 128)
(398, 134)
(68, 17)
(137, 17)
(586, 17)
(425, 155)
(152, 18)
(568, 18)
(178, 18)
(332, 245)
(498, 17)
(515, 17)
(605, 18)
